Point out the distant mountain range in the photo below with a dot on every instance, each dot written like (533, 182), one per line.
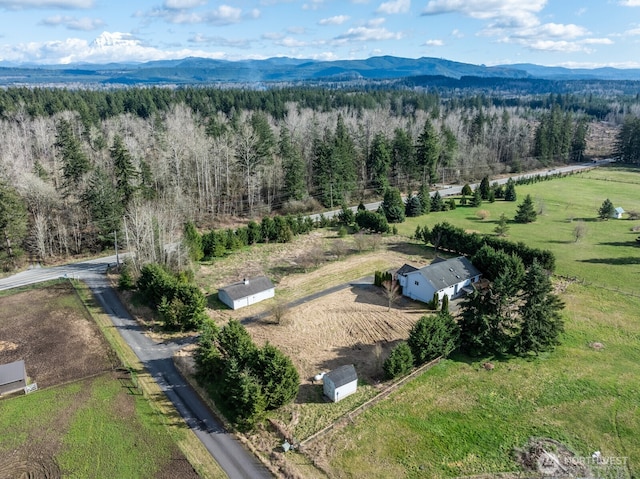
(194, 71)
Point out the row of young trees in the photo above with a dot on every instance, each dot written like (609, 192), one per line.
(90, 165)
(244, 380)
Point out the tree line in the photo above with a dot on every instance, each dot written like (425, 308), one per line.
(88, 167)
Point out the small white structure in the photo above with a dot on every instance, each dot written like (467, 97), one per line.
(247, 292)
(13, 377)
(452, 277)
(617, 213)
(340, 383)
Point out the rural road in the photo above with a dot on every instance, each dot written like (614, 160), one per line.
(457, 189)
(233, 458)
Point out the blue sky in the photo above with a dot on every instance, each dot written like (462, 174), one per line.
(547, 32)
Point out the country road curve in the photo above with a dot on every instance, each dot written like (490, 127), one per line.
(233, 458)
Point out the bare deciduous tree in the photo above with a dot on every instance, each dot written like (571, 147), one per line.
(392, 291)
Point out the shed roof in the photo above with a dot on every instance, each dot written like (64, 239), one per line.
(248, 287)
(342, 375)
(619, 210)
(444, 274)
(12, 372)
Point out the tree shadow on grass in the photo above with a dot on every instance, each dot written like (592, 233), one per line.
(614, 261)
(622, 243)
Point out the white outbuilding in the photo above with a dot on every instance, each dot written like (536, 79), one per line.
(340, 383)
(617, 213)
(246, 292)
(13, 377)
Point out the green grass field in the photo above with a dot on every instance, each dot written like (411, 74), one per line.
(459, 419)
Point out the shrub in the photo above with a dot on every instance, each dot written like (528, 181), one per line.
(483, 214)
(433, 336)
(399, 363)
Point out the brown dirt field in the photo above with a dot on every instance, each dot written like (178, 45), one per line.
(56, 339)
(352, 326)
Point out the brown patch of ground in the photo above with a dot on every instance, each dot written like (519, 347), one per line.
(54, 336)
(177, 466)
(352, 326)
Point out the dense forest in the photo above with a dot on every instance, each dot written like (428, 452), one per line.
(80, 167)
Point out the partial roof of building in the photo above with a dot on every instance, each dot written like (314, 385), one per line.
(444, 274)
(247, 287)
(342, 375)
(619, 210)
(12, 372)
(406, 268)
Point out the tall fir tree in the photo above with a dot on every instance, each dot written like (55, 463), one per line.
(294, 187)
(526, 212)
(379, 163)
(428, 152)
(124, 170)
(75, 162)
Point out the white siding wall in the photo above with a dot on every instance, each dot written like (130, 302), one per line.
(346, 390)
(422, 291)
(247, 300)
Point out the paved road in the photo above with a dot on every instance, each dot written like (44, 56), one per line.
(236, 461)
(452, 190)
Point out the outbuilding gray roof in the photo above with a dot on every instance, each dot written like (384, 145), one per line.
(342, 375)
(247, 287)
(444, 274)
(12, 372)
(406, 268)
(619, 210)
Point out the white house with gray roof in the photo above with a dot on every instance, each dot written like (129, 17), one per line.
(452, 277)
(246, 292)
(340, 383)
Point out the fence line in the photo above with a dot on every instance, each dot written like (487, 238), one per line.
(349, 416)
(575, 279)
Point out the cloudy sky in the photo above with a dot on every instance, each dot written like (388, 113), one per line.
(547, 32)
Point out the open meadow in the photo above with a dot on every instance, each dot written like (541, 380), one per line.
(88, 417)
(459, 419)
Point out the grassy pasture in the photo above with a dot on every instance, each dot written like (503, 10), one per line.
(87, 422)
(459, 419)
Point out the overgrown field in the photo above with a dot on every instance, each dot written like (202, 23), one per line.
(87, 419)
(459, 419)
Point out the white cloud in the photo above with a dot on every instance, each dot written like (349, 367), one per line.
(183, 4)
(633, 32)
(290, 42)
(223, 15)
(297, 30)
(629, 3)
(108, 47)
(73, 23)
(314, 5)
(394, 6)
(376, 22)
(365, 34)
(434, 43)
(336, 20)
(66, 4)
(503, 13)
(552, 30)
(272, 36)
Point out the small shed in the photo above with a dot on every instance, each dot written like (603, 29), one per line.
(13, 377)
(246, 292)
(340, 383)
(617, 213)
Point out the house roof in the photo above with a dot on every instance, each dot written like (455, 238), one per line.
(12, 372)
(619, 210)
(342, 375)
(447, 273)
(247, 287)
(406, 268)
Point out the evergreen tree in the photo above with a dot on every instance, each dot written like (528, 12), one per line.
(540, 314)
(104, 204)
(526, 212)
(627, 144)
(124, 170)
(476, 199)
(466, 190)
(413, 207)
(379, 163)
(433, 336)
(346, 216)
(236, 343)
(437, 204)
(294, 187)
(392, 206)
(485, 188)
(502, 227)
(425, 199)
(193, 241)
(606, 210)
(74, 161)
(278, 376)
(399, 363)
(428, 152)
(579, 140)
(510, 191)
(403, 157)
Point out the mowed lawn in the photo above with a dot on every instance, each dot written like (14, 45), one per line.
(459, 419)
